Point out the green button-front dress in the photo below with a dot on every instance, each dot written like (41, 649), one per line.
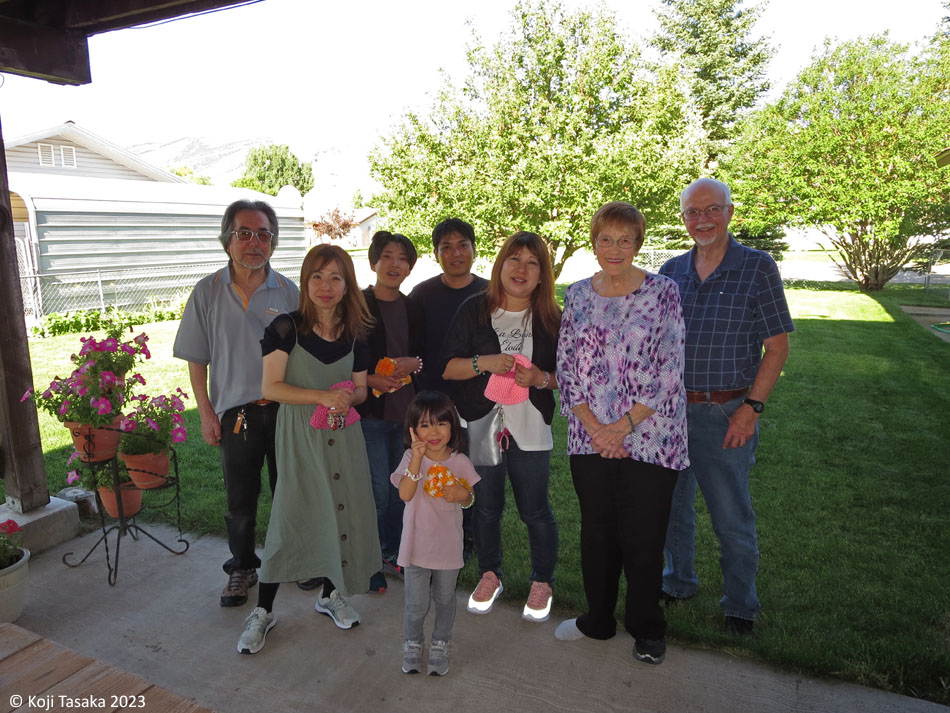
(323, 521)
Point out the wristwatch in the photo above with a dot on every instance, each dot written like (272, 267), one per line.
(757, 406)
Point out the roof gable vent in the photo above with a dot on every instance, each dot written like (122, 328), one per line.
(46, 154)
(68, 156)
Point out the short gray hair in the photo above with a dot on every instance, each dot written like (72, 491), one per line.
(726, 193)
(227, 222)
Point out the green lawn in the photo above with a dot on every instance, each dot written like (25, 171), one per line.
(850, 489)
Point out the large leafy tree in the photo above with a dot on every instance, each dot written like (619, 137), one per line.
(724, 61)
(269, 168)
(848, 149)
(557, 118)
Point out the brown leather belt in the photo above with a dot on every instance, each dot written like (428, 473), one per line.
(715, 397)
(262, 402)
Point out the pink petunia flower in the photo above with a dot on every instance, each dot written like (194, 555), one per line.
(28, 394)
(72, 477)
(73, 457)
(108, 345)
(154, 426)
(64, 408)
(179, 434)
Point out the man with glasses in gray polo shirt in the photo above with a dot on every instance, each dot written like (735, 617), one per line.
(219, 337)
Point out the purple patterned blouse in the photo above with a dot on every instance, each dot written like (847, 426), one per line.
(616, 351)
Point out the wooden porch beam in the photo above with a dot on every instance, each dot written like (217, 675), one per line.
(60, 56)
(96, 16)
(21, 452)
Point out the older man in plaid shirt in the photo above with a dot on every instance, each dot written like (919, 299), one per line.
(737, 325)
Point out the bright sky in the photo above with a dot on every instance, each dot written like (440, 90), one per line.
(330, 78)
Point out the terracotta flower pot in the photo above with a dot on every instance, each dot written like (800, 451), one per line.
(95, 444)
(131, 500)
(147, 470)
(14, 584)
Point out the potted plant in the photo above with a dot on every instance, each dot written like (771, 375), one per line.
(147, 432)
(101, 480)
(14, 572)
(89, 401)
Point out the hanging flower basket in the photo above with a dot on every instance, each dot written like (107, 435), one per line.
(95, 444)
(147, 470)
(131, 500)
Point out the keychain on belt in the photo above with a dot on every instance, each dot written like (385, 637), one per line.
(240, 423)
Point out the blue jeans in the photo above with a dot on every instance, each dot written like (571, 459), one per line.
(723, 477)
(384, 449)
(529, 472)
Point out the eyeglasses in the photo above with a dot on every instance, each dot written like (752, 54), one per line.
(244, 236)
(624, 243)
(713, 211)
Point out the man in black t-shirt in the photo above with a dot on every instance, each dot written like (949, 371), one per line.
(453, 241)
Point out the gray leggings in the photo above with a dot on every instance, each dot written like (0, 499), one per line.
(423, 586)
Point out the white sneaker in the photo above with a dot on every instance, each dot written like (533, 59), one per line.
(337, 608)
(256, 627)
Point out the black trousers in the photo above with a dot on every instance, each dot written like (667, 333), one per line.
(625, 508)
(243, 455)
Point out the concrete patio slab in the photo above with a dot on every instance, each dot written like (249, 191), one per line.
(162, 621)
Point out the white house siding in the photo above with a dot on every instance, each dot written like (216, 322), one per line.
(166, 233)
(89, 164)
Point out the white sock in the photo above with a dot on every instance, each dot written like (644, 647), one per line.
(567, 631)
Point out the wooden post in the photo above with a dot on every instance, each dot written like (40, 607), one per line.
(24, 472)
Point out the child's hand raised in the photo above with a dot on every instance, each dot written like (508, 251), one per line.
(418, 446)
(456, 493)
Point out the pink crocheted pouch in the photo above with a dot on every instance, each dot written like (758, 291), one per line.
(502, 388)
(322, 418)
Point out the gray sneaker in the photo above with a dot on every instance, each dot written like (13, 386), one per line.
(439, 658)
(256, 627)
(337, 608)
(412, 657)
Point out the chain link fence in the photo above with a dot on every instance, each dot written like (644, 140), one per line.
(130, 290)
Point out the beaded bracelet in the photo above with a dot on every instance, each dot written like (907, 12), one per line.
(475, 365)
(414, 478)
(419, 359)
(466, 507)
(633, 426)
(547, 379)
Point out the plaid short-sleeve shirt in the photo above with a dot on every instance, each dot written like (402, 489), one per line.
(729, 315)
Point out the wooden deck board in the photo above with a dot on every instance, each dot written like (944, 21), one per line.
(32, 666)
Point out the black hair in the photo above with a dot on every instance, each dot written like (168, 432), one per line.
(227, 222)
(438, 407)
(452, 225)
(382, 238)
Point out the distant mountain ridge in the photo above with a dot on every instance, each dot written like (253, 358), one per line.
(221, 162)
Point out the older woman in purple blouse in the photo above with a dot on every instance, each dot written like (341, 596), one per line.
(620, 372)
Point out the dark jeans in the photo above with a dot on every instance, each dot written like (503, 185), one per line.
(384, 449)
(243, 455)
(529, 472)
(625, 506)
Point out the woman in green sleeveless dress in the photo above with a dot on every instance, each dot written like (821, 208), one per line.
(323, 519)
